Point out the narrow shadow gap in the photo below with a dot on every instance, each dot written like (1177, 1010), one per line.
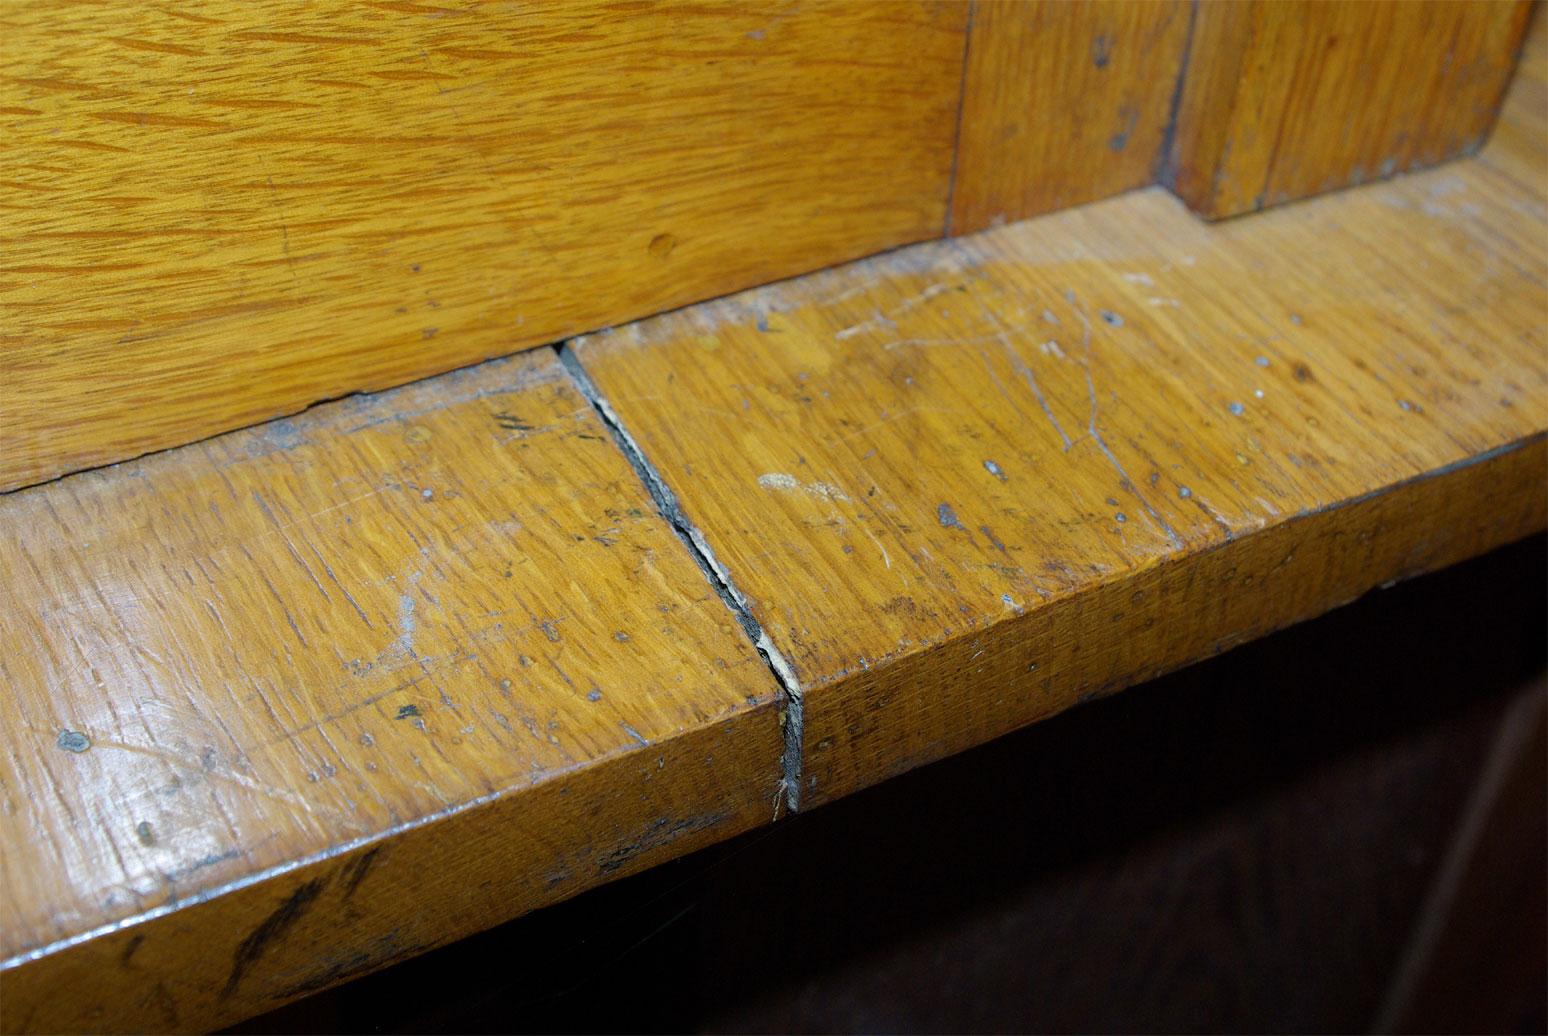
(719, 577)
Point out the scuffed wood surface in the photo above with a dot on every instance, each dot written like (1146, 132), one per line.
(216, 216)
(298, 701)
(967, 485)
(1282, 99)
(1062, 103)
(365, 681)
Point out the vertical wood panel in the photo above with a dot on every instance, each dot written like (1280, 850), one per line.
(1063, 103)
(1282, 100)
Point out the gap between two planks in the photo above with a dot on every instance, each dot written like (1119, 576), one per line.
(791, 713)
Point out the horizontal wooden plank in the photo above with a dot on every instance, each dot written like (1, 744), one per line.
(302, 700)
(212, 218)
(1285, 99)
(966, 485)
(1062, 104)
(297, 701)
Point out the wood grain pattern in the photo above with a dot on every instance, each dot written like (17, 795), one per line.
(1518, 147)
(290, 704)
(297, 701)
(1286, 99)
(969, 484)
(214, 217)
(1062, 104)
(1237, 847)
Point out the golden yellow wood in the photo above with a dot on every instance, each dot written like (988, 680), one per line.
(216, 215)
(1282, 99)
(969, 484)
(301, 700)
(1063, 103)
(1518, 146)
(306, 699)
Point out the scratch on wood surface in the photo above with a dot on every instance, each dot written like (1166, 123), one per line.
(1126, 483)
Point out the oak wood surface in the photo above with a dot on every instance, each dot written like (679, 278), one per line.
(1518, 146)
(250, 754)
(213, 218)
(966, 485)
(308, 698)
(219, 215)
(1285, 99)
(1237, 847)
(1062, 103)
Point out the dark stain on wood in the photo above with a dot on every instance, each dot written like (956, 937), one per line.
(273, 927)
(129, 950)
(355, 871)
(659, 833)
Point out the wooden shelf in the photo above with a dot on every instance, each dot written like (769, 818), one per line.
(293, 703)
(343, 688)
(968, 484)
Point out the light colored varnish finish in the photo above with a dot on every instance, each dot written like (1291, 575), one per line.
(213, 216)
(367, 681)
(967, 485)
(283, 654)
(1282, 99)
(1063, 103)
(1518, 146)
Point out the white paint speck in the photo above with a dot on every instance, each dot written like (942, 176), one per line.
(778, 480)
(827, 491)
(406, 624)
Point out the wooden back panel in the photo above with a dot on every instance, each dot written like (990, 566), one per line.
(1063, 104)
(217, 217)
(1291, 98)
(220, 216)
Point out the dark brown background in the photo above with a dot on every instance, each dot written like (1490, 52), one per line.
(1337, 828)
